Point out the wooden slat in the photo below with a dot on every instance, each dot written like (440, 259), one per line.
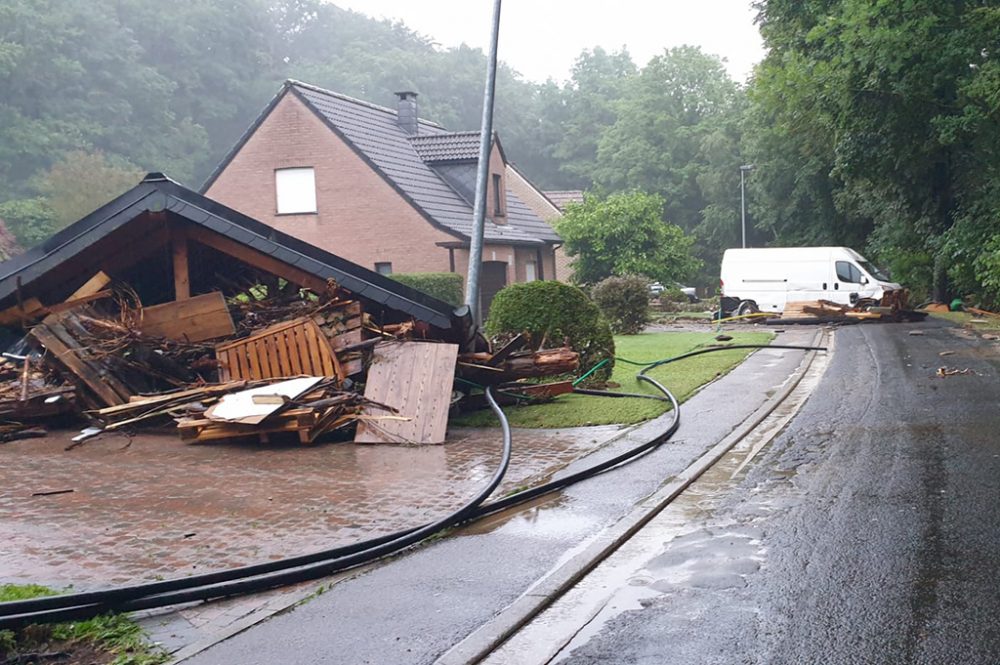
(179, 252)
(287, 349)
(195, 319)
(416, 378)
(91, 287)
(68, 357)
(68, 329)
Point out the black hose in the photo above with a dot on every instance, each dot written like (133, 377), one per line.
(258, 577)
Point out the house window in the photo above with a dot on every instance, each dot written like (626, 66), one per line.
(296, 190)
(498, 195)
(530, 271)
(384, 267)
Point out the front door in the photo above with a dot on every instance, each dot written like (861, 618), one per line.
(492, 279)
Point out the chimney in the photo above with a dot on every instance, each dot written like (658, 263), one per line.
(407, 112)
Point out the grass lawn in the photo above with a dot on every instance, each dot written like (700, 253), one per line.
(682, 378)
(85, 641)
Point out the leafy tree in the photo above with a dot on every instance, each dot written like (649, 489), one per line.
(891, 112)
(80, 183)
(625, 234)
(30, 220)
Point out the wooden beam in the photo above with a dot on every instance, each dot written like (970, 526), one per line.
(91, 287)
(179, 250)
(257, 259)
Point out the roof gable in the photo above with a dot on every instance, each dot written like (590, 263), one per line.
(409, 163)
(157, 193)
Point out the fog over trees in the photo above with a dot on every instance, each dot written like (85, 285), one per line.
(873, 125)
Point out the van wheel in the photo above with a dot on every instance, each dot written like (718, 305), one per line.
(747, 307)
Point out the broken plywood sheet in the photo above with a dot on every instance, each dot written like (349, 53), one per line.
(416, 378)
(193, 319)
(251, 407)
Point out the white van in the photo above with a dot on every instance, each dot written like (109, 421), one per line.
(765, 279)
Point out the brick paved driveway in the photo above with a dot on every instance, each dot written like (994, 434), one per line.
(157, 508)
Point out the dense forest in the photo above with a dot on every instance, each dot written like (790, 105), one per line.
(869, 124)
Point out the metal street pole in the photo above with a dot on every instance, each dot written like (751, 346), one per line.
(482, 175)
(743, 201)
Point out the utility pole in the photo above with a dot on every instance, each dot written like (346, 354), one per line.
(743, 200)
(482, 175)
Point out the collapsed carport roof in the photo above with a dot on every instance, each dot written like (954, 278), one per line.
(25, 275)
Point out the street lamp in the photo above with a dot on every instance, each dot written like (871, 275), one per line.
(743, 200)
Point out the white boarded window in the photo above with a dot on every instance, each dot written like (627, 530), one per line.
(530, 273)
(296, 190)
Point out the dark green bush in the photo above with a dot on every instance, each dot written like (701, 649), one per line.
(674, 294)
(556, 311)
(446, 286)
(624, 302)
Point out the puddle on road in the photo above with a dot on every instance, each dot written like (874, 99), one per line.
(686, 546)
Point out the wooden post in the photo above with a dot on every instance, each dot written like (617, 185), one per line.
(182, 279)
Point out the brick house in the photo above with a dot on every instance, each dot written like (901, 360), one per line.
(382, 188)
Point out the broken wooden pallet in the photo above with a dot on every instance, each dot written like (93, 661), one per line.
(294, 348)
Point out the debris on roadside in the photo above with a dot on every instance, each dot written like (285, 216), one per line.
(167, 309)
(947, 371)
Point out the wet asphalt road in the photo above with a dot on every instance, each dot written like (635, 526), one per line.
(418, 606)
(868, 532)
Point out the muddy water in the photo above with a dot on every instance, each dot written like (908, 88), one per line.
(153, 507)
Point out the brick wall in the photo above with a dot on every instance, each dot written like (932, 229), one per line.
(360, 217)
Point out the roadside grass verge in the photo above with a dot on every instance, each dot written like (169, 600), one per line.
(110, 639)
(682, 378)
(986, 324)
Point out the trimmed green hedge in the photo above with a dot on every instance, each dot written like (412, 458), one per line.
(556, 311)
(446, 286)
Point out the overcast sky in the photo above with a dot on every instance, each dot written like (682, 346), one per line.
(542, 38)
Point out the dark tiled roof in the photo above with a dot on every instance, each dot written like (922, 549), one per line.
(561, 198)
(158, 193)
(373, 132)
(450, 147)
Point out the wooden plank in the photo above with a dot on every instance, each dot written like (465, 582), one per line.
(417, 379)
(32, 308)
(67, 328)
(224, 358)
(284, 362)
(179, 252)
(347, 339)
(91, 287)
(195, 319)
(69, 304)
(68, 357)
(139, 402)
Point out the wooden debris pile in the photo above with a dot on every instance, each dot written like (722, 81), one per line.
(258, 363)
(307, 406)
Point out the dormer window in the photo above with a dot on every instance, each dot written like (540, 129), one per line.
(498, 196)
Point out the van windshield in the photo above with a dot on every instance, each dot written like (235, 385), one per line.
(873, 271)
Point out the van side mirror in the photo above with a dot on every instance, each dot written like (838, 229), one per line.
(864, 280)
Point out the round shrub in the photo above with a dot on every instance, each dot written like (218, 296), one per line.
(624, 302)
(556, 311)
